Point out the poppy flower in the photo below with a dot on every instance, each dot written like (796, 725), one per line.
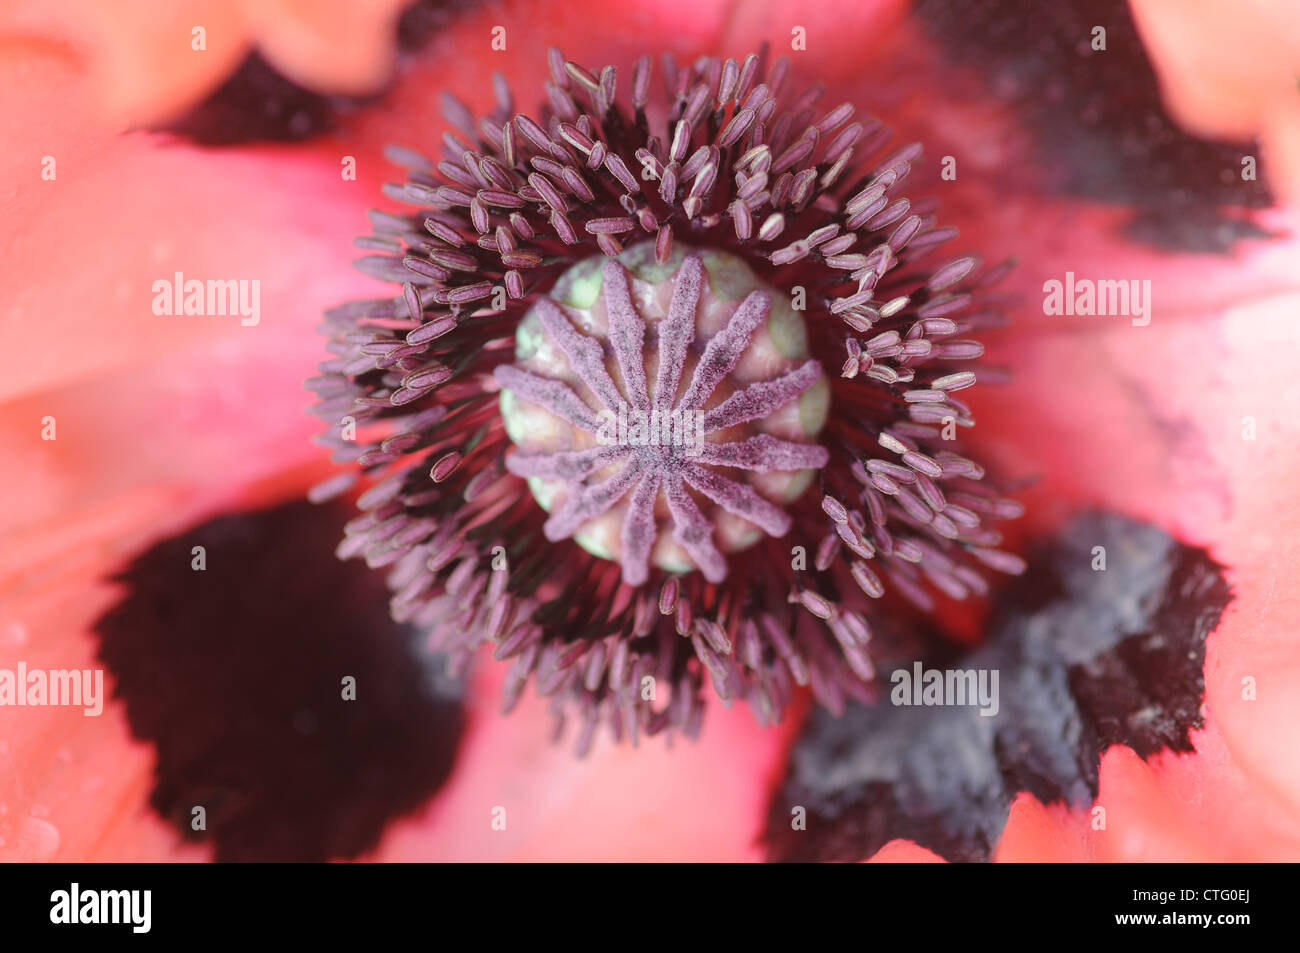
(155, 454)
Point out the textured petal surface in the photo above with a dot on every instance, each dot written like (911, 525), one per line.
(165, 420)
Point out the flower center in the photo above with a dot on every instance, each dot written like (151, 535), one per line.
(663, 405)
(663, 413)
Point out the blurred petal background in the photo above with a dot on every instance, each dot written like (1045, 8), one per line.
(126, 164)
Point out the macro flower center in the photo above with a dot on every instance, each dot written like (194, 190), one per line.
(697, 319)
(663, 413)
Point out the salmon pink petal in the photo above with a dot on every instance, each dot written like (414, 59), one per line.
(334, 47)
(1037, 832)
(158, 420)
(1230, 71)
(74, 787)
(123, 49)
(126, 386)
(695, 801)
(1209, 452)
(904, 852)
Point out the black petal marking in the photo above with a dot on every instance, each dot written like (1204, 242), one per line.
(1086, 660)
(257, 104)
(1097, 117)
(235, 675)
